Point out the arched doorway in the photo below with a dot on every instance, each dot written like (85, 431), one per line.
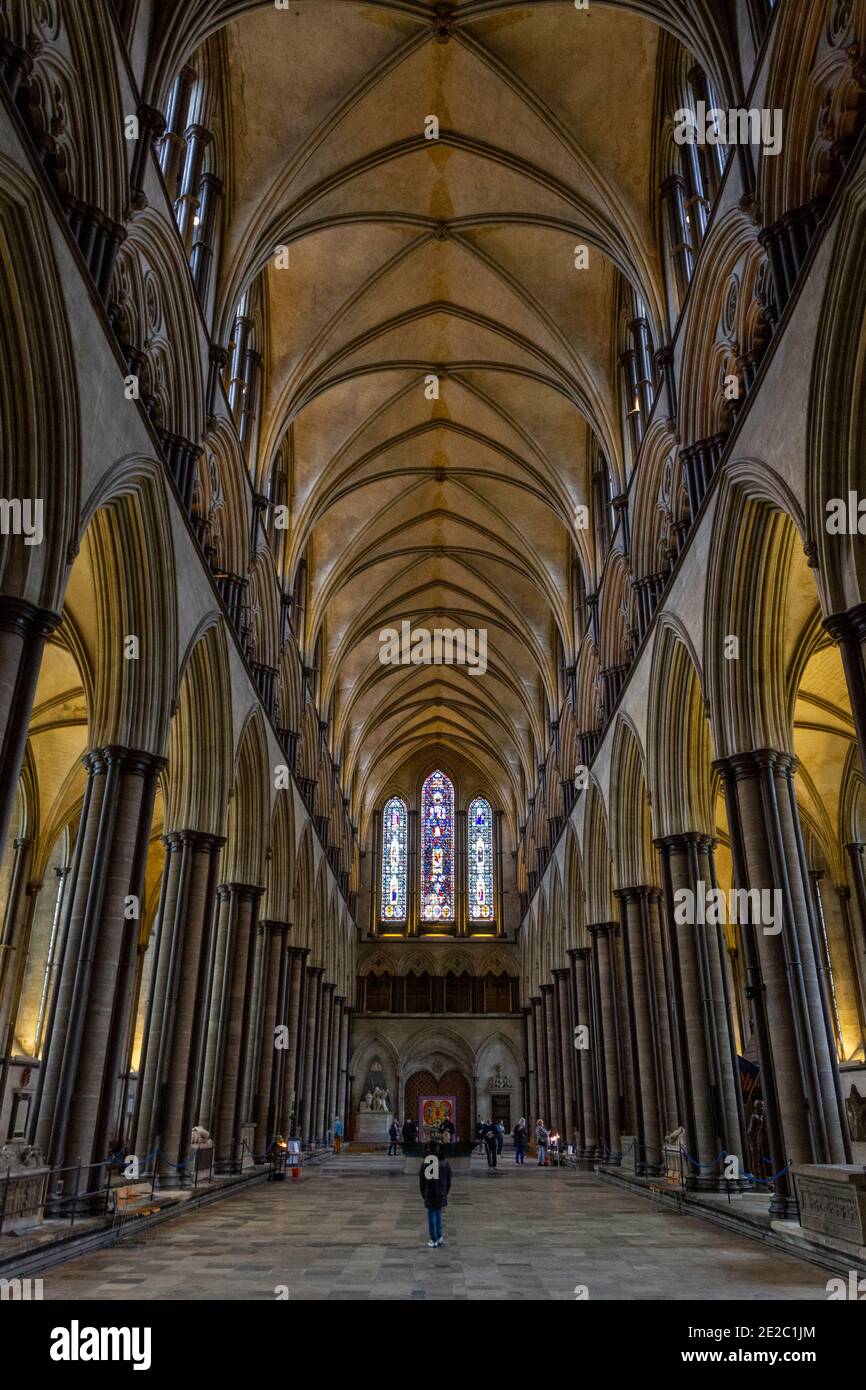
(452, 1087)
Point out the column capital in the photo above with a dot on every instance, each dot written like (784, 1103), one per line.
(127, 759)
(685, 841)
(199, 839)
(546, 988)
(25, 619)
(751, 764)
(249, 891)
(846, 625)
(580, 952)
(599, 928)
(560, 973)
(641, 890)
(275, 927)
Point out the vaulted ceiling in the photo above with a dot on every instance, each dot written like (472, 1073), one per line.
(455, 257)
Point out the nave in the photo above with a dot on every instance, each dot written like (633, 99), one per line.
(354, 1229)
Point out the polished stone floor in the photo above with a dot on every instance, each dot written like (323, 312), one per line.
(354, 1228)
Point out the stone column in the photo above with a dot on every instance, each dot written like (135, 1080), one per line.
(23, 630)
(348, 1015)
(554, 1062)
(566, 1050)
(604, 960)
(855, 851)
(666, 1047)
(342, 1068)
(201, 255)
(13, 946)
(708, 1090)
(323, 1060)
(187, 204)
(170, 1069)
(296, 1025)
(531, 1101)
(248, 1105)
(86, 1055)
(540, 1062)
(271, 1051)
(849, 630)
(643, 1026)
(587, 1108)
(332, 1105)
(792, 1016)
(17, 932)
(314, 985)
(228, 1025)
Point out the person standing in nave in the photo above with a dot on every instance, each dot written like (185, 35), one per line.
(434, 1178)
(394, 1136)
(542, 1135)
(490, 1143)
(520, 1136)
(410, 1132)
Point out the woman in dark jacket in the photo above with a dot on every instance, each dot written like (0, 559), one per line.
(434, 1177)
(410, 1132)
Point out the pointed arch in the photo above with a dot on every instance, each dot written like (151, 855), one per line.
(128, 552)
(200, 742)
(678, 738)
(40, 448)
(248, 826)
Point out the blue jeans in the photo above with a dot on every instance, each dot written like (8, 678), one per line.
(542, 1155)
(434, 1222)
(518, 1153)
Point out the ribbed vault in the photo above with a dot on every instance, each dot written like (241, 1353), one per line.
(439, 370)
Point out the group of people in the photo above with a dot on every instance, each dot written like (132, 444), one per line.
(491, 1137)
(407, 1134)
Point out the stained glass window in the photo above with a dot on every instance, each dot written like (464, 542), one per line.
(479, 858)
(394, 823)
(437, 849)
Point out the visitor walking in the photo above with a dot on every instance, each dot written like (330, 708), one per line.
(490, 1144)
(447, 1131)
(520, 1136)
(500, 1136)
(338, 1134)
(410, 1132)
(434, 1177)
(394, 1136)
(541, 1137)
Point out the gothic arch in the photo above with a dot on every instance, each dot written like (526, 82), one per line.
(757, 580)
(128, 557)
(40, 451)
(200, 743)
(837, 409)
(678, 738)
(630, 821)
(248, 825)
(596, 857)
